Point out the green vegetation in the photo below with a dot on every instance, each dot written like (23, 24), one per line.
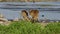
(52, 28)
(23, 27)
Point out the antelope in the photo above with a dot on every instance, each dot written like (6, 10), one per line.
(25, 15)
(34, 15)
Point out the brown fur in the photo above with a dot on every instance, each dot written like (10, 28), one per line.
(25, 15)
(34, 14)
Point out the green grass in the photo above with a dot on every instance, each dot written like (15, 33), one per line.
(23, 27)
(53, 28)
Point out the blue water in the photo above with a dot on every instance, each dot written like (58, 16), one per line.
(12, 14)
(9, 14)
(52, 15)
(16, 13)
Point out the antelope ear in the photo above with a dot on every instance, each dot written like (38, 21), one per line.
(25, 12)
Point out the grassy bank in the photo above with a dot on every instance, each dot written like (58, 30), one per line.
(23, 27)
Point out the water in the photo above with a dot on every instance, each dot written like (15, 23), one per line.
(12, 14)
(9, 14)
(16, 13)
(52, 15)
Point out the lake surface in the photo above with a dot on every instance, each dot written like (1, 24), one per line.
(12, 14)
(16, 13)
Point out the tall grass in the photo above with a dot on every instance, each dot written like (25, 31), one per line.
(23, 27)
(52, 28)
